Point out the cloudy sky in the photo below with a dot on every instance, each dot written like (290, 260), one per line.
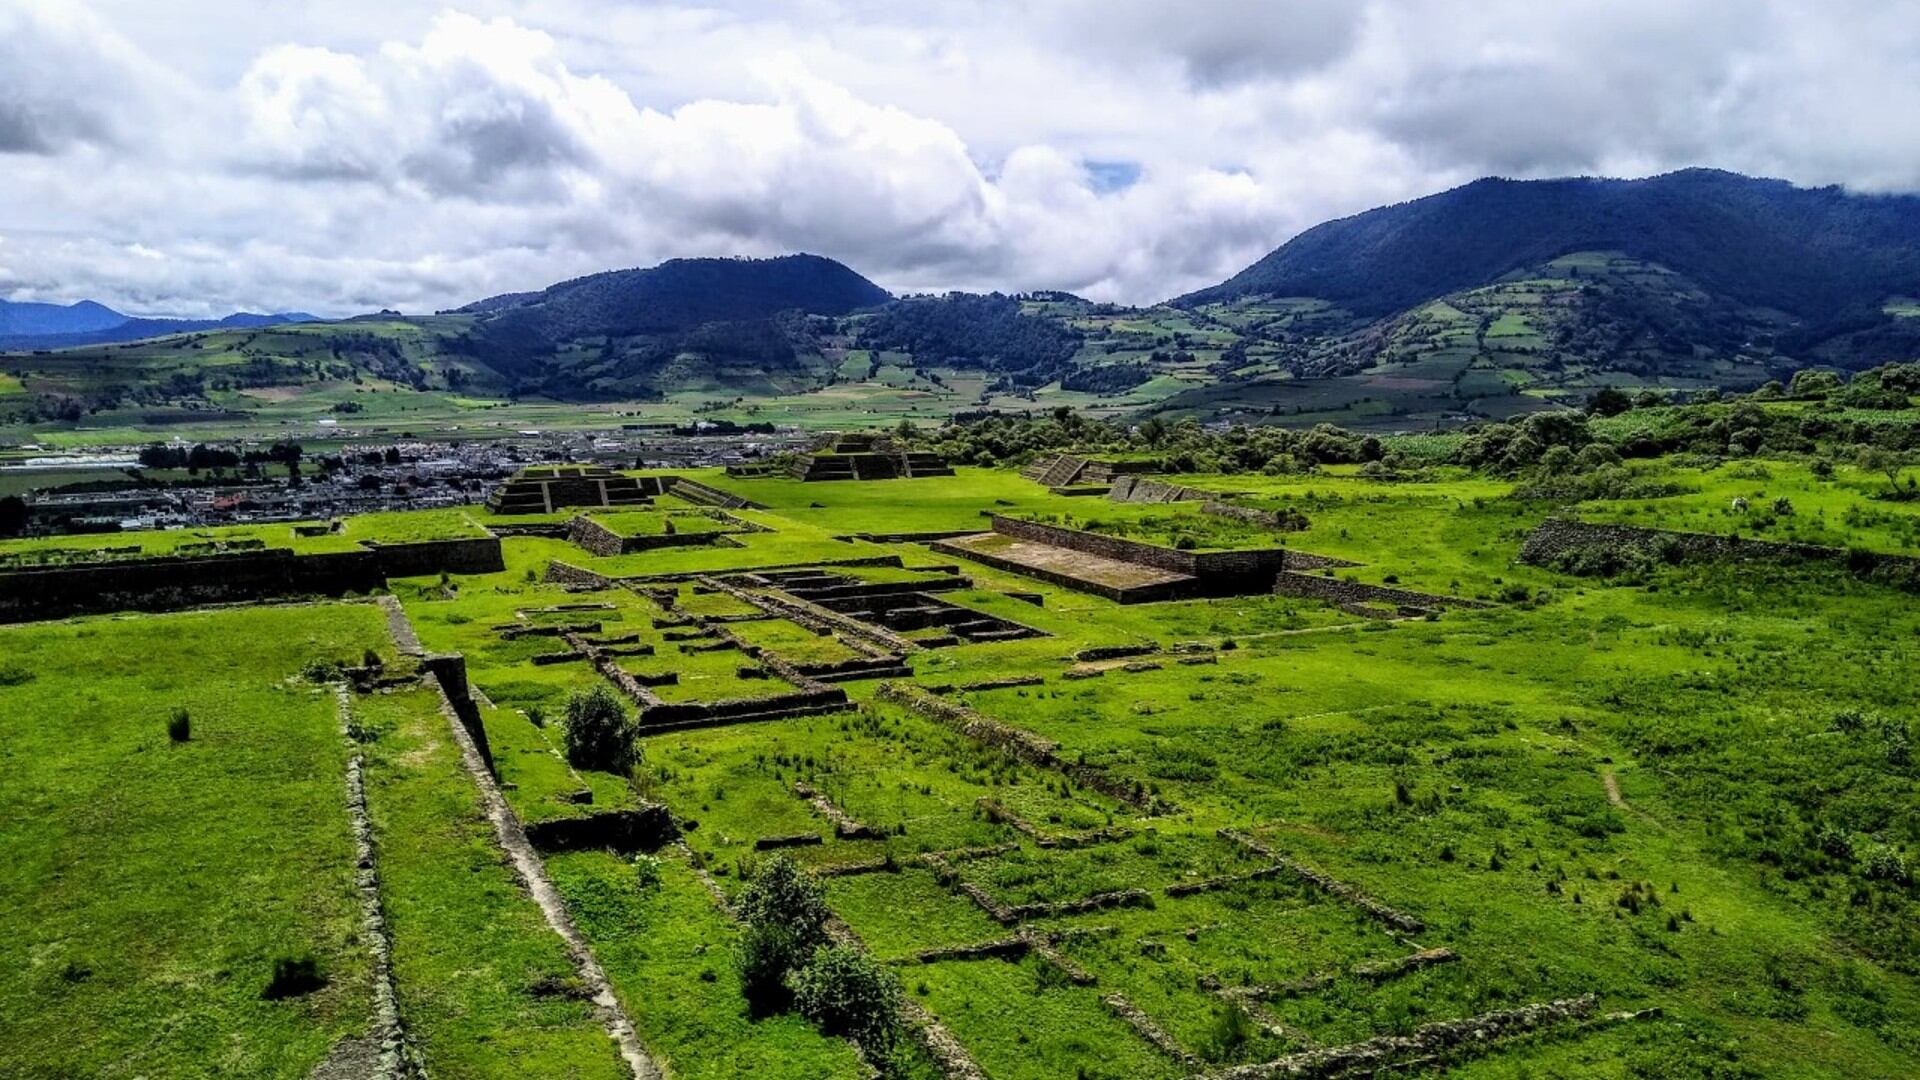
(195, 157)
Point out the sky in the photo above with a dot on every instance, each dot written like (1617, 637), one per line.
(195, 158)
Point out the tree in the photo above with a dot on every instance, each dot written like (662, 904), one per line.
(13, 516)
(598, 732)
(1874, 459)
(1813, 383)
(1608, 401)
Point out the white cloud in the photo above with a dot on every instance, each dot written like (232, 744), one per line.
(396, 154)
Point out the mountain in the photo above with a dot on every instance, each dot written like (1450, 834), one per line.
(54, 326)
(20, 318)
(1813, 253)
(675, 295)
(685, 322)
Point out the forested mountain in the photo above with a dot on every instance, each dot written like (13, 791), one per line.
(967, 330)
(1497, 298)
(676, 295)
(1814, 253)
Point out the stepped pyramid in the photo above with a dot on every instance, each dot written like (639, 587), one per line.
(543, 489)
(866, 457)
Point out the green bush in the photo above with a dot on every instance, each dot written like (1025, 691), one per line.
(294, 976)
(847, 992)
(598, 732)
(179, 726)
(786, 917)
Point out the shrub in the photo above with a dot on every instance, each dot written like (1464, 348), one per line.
(320, 671)
(846, 992)
(598, 732)
(646, 872)
(1884, 863)
(293, 977)
(15, 675)
(179, 726)
(786, 917)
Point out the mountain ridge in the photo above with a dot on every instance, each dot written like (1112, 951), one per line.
(1811, 252)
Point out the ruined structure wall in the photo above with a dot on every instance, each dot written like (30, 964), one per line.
(1196, 563)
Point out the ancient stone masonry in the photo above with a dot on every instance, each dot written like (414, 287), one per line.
(594, 537)
(1354, 596)
(996, 812)
(532, 872)
(844, 825)
(646, 828)
(1149, 1030)
(1133, 489)
(948, 1055)
(1223, 881)
(1382, 970)
(866, 457)
(1096, 902)
(1397, 920)
(559, 573)
(701, 494)
(397, 1058)
(1023, 745)
(544, 489)
(1387, 1051)
(1557, 540)
(1279, 521)
(879, 610)
(172, 582)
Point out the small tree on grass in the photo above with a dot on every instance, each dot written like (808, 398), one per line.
(786, 918)
(845, 991)
(179, 726)
(598, 732)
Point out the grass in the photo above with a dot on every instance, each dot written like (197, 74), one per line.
(1754, 721)
(485, 987)
(150, 887)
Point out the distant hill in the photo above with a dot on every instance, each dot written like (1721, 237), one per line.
(1818, 254)
(54, 326)
(22, 318)
(676, 295)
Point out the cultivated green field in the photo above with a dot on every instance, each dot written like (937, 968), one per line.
(1687, 791)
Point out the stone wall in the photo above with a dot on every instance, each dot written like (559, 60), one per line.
(475, 555)
(172, 582)
(1279, 521)
(167, 584)
(1557, 539)
(1141, 490)
(1200, 564)
(1346, 593)
(1127, 594)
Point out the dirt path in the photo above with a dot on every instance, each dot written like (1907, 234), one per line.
(1613, 787)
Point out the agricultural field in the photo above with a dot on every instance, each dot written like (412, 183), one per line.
(1509, 823)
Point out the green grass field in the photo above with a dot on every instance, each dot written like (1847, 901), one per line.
(1690, 791)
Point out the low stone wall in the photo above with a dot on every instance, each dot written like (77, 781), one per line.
(1381, 1053)
(1023, 745)
(644, 829)
(559, 573)
(1555, 541)
(1341, 593)
(1276, 520)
